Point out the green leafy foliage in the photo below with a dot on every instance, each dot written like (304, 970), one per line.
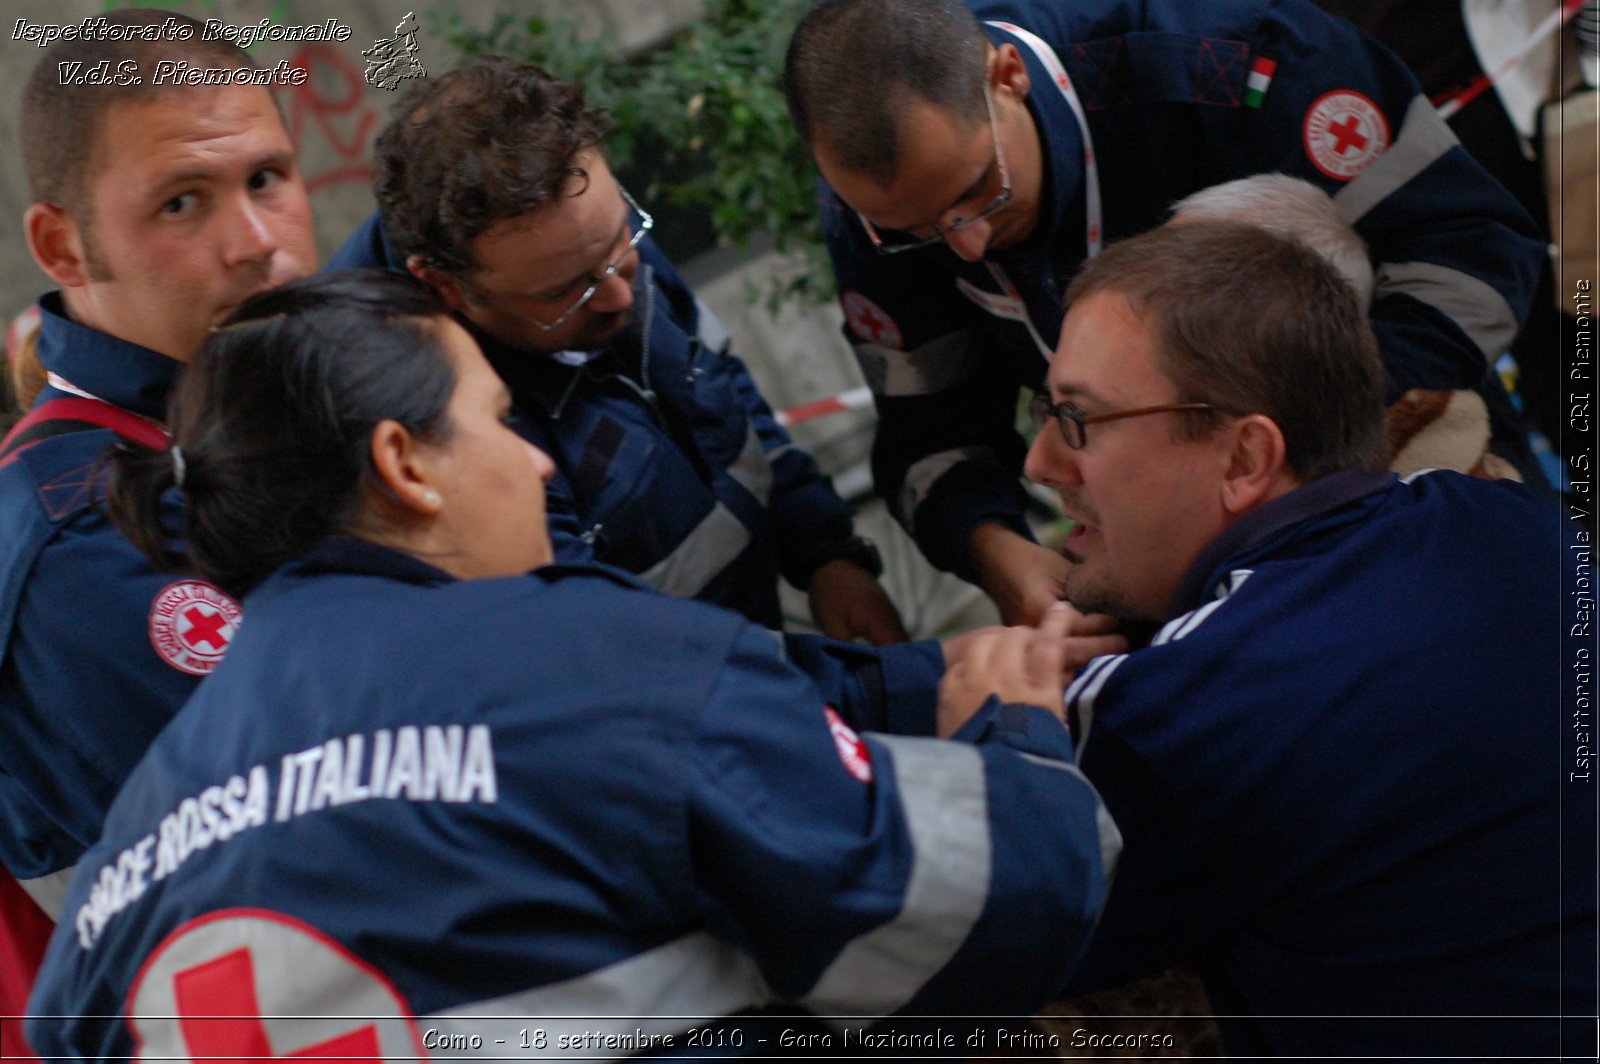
(700, 121)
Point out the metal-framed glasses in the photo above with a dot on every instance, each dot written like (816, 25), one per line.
(595, 279)
(1071, 419)
(896, 241)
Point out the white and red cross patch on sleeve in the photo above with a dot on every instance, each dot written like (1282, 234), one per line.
(852, 751)
(870, 322)
(192, 623)
(1345, 133)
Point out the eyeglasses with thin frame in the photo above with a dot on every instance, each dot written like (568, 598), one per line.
(893, 245)
(1071, 419)
(595, 279)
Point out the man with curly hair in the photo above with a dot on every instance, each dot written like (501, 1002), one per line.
(493, 188)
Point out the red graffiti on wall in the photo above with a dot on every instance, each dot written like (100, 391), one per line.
(332, 100)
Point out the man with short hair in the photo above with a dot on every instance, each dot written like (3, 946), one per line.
(1338, 767)
(156, 209)
(493, 188)
(975, 154)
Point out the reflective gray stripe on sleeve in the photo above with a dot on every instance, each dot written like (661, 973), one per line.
(49, 892)
(1474, 305)
(713, 544)
(922, 476)
(945, 801)
(752, 470)
(668, 989)
(1105, 828)
(937, 365)
(1423, 139)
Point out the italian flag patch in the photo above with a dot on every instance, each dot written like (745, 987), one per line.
(1260, 78)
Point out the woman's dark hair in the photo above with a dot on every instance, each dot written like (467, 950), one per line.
(273, 420)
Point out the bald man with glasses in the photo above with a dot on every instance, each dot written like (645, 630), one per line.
(493, 188)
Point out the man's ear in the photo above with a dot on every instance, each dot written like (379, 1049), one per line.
(56, 244)
(403, 470)
(1007, 70)
(1256, 464)
(446, 285)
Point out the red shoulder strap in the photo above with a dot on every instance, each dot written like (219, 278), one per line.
(56, 416)
(24, 931)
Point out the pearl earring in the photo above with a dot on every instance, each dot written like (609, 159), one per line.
(431, 497)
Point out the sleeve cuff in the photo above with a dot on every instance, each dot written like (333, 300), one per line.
(1029, 729)
(911, 675)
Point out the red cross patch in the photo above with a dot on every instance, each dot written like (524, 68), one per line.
(869, 322)
(192, 623)
(852, 751)
(1345, 133)
(259, 985)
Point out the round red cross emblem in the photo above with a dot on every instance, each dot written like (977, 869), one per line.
(259, 985)
(192, 623)
(852, 751)
(1345, 133)
(869, 322)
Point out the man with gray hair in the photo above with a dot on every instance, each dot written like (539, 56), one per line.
(1292, 208)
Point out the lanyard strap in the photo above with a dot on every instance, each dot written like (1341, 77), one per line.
(1010, 305)
(1093, 230)
(56, 417)
(130, 426)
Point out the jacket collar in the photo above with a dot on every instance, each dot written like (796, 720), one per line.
(121, 373)
(347, 554)
(1321, 496)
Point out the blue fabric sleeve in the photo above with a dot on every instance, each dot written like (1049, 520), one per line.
(892, 689)
(875, 875)
(565, 530)
(81, 640)
(805, 510)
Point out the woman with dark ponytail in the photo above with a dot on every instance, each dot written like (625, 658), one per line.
(427, 787)
(269, 477)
